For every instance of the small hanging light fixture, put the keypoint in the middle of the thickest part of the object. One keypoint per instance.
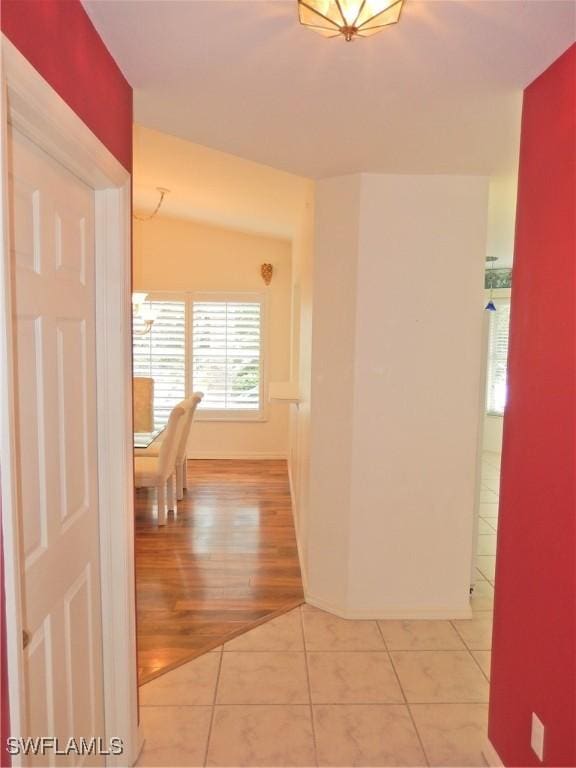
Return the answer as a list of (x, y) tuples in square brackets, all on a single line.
[(162, 191), (147, 314), (349, 18), (491, 307)]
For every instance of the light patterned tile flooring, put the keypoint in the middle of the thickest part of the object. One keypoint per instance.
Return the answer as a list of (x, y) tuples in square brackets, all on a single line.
[(311, 689)]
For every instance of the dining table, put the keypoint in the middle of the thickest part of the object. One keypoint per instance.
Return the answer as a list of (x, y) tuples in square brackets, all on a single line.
[(145, 439)]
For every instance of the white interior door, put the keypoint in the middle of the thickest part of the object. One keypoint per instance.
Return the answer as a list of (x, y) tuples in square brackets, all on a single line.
[(52, 241)]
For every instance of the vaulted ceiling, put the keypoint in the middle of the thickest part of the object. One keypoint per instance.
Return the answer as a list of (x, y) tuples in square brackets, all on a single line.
[(214, 187)]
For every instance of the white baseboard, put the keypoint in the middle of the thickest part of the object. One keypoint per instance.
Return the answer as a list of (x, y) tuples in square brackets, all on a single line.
[(391, 612), (239, 455), (492, 757), (297, 530)]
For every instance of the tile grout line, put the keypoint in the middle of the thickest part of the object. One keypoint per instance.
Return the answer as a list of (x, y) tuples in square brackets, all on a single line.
[(481, 670), (312, 723), (489, 650), (209, 736), (474, 659), (410, 715), (368, 650)]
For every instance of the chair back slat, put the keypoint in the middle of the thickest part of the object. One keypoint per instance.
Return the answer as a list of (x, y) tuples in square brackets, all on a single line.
[(167, 454)]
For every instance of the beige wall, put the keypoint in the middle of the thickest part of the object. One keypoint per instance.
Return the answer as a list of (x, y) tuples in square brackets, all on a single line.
[(502, 218), (299, 450), (177, 255), (396, 370), (332, 422)]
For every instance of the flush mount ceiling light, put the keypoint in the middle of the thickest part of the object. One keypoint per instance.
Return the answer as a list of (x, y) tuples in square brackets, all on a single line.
[(349, 18)]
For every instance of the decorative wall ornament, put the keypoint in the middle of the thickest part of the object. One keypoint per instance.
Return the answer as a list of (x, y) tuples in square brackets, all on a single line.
[(266, 271), (498, 278)]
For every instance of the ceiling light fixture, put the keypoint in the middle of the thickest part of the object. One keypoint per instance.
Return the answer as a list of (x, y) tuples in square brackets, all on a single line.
[(349, 18), (491, 307)]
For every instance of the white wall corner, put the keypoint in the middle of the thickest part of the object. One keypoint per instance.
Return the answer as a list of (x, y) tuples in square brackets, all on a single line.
[(393, 446)]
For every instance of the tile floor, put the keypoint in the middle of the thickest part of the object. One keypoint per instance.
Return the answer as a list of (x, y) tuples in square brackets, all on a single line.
[(308, 688)]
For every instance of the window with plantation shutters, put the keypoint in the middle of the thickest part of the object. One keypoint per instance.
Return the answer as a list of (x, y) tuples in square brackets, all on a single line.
[(161, 355), (498, 357), (227, 355)]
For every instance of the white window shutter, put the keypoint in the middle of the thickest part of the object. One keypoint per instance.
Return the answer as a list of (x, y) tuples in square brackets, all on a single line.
[(226, 354), (161, 355), (498, 357)]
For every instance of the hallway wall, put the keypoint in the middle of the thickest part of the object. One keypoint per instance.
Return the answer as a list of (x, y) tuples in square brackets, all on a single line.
[(301, 372), (398, 322), (83, 72), (89, 80), (533, 660)]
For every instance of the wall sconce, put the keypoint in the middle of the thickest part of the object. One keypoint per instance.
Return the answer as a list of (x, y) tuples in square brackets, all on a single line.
[(146, 314), (266, 271)]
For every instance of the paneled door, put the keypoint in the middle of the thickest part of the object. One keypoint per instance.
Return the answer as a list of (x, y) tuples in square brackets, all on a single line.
[(52, 240)]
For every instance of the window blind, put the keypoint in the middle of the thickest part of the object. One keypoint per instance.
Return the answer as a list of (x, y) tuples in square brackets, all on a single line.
[(498, 357), (226, 354), (161, 354)]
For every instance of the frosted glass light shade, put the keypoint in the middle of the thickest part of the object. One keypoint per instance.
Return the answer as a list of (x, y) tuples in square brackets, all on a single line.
[(149, 314), (350, 18)]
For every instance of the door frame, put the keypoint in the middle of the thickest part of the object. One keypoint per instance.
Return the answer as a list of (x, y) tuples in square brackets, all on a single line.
[(30, 105)]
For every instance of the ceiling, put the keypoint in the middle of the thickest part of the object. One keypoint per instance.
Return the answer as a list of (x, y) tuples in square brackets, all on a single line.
[(214, 187), (437, 93)]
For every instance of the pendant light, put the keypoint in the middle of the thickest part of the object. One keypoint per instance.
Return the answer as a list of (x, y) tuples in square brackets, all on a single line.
[(491, 307)]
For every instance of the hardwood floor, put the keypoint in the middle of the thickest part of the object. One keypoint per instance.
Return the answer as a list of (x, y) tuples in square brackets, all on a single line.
[(225, 562)]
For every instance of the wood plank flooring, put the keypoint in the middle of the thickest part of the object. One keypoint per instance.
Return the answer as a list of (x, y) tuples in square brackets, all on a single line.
[(225, 562)]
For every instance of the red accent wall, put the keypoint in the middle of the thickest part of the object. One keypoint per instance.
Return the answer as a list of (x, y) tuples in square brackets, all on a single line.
[(59, 40), (534, 644)]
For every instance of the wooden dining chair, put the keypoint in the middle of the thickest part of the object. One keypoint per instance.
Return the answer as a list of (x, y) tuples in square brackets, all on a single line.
[(190, 406), (158, 471)]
